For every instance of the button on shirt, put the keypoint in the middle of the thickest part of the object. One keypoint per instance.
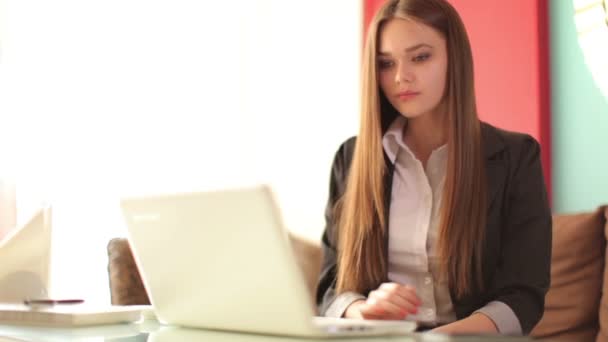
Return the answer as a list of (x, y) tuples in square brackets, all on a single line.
[(413, 234)]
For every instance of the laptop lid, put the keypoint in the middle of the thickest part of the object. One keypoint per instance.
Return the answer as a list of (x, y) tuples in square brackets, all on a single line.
[(219, 260), (26, 253)]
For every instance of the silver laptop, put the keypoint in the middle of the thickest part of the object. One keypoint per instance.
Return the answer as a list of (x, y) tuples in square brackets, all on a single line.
[(25, 254), (222, 260)]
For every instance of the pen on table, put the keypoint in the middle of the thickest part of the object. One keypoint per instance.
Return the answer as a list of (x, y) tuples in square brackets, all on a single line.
[(51, 302)]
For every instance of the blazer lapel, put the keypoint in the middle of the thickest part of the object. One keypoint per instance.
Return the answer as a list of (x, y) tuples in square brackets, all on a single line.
[(388, 188)]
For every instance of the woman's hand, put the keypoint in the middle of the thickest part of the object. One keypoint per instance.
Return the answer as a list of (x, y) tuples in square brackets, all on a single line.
[(390, 301)]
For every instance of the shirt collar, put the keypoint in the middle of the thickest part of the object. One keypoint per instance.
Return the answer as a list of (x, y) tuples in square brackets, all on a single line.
[(392, 141), (393, 138)]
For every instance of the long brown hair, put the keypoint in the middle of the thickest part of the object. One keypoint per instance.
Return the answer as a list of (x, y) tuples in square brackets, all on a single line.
[(362, 226)]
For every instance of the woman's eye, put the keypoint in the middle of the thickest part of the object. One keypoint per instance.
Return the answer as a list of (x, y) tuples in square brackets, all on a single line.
[(421, 58), (385, 64)]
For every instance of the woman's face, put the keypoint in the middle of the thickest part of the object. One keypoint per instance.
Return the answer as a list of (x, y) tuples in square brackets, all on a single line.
[(412, 66)]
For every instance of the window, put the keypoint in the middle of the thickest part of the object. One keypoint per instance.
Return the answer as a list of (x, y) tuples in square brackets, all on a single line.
[(591, 17)]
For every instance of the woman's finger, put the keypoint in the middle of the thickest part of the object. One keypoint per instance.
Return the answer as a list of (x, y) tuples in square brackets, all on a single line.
[(407, 302), (385, 308), (407, 292)]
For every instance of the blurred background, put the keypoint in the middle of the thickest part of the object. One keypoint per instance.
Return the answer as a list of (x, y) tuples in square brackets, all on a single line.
[(105, 99)]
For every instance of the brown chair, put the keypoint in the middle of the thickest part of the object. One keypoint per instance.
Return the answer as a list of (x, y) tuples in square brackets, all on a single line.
[(126, 287)]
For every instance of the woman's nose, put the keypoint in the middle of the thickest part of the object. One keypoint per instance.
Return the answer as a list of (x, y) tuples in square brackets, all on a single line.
[(404, 74)]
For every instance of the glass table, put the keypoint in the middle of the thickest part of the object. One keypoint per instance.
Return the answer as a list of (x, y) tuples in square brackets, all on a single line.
[(152, 331)]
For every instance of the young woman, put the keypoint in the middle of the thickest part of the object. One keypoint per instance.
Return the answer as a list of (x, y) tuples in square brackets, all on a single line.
[(433, 215)]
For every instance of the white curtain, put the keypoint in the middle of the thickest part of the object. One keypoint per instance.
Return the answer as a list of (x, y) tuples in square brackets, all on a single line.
[(8, 210), (102, 99)]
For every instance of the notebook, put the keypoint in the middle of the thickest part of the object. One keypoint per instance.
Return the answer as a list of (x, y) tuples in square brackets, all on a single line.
[(67, 315), (25, 254), (222, 260)]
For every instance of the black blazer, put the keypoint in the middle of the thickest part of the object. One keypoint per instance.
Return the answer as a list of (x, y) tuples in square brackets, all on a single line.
[(517, 248)]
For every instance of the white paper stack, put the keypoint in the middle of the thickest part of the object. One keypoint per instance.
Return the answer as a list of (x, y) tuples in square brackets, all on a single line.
[(68, 315)]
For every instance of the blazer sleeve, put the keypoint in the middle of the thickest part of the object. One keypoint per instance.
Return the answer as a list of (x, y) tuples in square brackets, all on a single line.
[(523, 275), (326, 286)]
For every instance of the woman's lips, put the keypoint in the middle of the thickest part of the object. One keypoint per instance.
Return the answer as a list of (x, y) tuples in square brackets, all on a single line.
[(407, 95)]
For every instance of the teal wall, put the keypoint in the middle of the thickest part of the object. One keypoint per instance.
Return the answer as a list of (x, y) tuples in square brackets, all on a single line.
[(579, 120)]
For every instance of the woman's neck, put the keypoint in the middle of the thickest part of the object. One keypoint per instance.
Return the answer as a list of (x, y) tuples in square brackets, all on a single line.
[(425, 134)]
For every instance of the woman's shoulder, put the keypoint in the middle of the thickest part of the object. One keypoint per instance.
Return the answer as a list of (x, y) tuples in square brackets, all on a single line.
[(497, 140), (348, 144), (346, 150)]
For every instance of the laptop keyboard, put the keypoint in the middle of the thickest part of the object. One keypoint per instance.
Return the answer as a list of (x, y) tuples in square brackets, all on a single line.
[(341, 325)]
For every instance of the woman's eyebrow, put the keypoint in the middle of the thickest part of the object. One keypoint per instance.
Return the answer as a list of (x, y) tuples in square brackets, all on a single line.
[(409, 49)]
